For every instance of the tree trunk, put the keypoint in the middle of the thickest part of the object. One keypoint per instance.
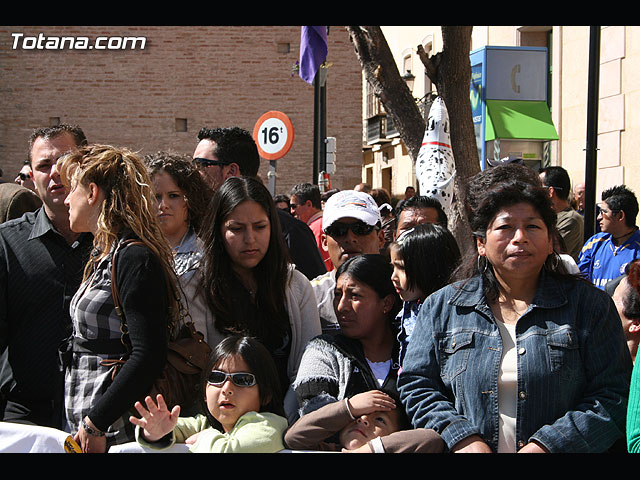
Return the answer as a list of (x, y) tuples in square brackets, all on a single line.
[(450, 71)]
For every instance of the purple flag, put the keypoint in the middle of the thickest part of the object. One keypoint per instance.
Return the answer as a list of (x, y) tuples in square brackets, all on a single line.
[(313, 51)]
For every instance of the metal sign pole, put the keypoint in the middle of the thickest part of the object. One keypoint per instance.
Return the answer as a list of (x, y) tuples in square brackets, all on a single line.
[(592, 133)]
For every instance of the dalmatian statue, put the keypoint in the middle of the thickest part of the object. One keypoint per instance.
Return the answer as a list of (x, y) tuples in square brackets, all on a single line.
[(435, 168)]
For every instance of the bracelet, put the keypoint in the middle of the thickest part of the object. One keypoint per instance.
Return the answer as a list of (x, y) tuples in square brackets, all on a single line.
[(376, 445), (91, 431), (346, 402)]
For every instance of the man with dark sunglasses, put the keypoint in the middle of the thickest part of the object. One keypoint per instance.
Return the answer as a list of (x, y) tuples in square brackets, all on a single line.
[(227, 152), (351, 225)]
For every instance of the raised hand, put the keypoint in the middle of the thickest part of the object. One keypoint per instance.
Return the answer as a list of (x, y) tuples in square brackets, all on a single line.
[(369, 402), (156, 420)]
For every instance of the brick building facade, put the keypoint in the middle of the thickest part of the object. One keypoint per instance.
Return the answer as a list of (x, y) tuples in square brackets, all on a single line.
[(185, 77)]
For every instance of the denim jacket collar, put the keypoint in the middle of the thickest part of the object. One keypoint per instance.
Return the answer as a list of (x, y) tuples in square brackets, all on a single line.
[(550, 293)]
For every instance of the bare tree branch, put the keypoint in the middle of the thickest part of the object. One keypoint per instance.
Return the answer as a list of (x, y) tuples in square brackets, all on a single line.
[(382, 73), (430, 63)]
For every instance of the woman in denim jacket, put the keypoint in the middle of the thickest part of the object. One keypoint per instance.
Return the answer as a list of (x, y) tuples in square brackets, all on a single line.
[(519, 356)]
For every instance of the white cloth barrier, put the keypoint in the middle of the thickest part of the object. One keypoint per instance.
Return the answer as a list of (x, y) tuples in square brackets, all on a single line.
[(18, 438), (134, 447)]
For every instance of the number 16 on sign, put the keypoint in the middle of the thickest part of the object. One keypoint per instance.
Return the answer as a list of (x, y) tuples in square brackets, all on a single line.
[(273, 134)]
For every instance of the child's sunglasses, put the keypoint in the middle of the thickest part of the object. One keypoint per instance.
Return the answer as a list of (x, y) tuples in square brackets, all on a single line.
[(240, 379)]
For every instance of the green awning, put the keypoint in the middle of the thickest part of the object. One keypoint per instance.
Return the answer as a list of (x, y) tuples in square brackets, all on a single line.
[(518, 119)]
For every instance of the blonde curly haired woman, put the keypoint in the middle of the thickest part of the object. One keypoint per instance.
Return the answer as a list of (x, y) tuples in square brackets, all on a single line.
[(112, 197)]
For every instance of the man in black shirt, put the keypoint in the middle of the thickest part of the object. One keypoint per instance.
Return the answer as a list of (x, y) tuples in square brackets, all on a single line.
[(41, 265)]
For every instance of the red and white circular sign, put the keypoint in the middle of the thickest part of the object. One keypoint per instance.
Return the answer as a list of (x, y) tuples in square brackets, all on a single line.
[(273, 134)]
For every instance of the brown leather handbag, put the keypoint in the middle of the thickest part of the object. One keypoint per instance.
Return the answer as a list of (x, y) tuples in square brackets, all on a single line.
[(188, 353)]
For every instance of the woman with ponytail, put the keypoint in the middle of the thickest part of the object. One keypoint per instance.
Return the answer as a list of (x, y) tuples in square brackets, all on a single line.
[(111, 196)]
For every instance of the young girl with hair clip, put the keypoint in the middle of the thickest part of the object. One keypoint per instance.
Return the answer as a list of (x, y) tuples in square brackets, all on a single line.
[(423, 259), (248, 281), (242, 400), (110, 195)]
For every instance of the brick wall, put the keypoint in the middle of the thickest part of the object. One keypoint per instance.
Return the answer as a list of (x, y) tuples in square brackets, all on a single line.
[(209, 75)]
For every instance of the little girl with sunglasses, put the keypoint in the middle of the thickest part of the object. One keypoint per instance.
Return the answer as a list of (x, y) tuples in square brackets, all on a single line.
[(242, 400)]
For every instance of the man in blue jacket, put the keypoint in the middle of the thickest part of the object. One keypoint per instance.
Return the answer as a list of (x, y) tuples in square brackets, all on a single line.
[(606, 254)]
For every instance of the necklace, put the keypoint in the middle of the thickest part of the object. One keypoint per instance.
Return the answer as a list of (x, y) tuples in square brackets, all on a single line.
[(251, 291), (507, 312), (252, 294), (625, 235)]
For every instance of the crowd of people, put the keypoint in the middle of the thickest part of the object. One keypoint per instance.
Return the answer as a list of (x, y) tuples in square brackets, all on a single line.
[(336, 320)]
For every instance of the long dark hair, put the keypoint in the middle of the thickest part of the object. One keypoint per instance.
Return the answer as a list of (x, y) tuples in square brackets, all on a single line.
[(486, 205), (430, 254), (374, 270), (260, 363), (271, 274)]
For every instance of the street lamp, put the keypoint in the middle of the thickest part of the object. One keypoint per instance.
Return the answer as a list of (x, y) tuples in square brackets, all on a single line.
[(409, 78)]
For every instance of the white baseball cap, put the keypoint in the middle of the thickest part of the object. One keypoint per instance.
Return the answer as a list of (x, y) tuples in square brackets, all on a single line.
[(350, 203)]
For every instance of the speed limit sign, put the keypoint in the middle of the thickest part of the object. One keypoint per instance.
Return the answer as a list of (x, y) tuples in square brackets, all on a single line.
[(273, 134)]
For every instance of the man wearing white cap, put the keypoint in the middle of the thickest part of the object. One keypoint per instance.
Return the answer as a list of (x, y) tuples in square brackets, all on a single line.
[(351, 226)]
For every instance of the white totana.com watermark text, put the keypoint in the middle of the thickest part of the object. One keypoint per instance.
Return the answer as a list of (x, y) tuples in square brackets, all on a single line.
[(48, 42)]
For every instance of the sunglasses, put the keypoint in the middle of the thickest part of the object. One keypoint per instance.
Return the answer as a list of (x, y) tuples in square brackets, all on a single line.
[(240, 379), (339, 229), (205, 162), (608, 212)]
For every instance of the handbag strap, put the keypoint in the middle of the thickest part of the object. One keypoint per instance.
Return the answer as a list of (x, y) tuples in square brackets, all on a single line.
[(114, 288)]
